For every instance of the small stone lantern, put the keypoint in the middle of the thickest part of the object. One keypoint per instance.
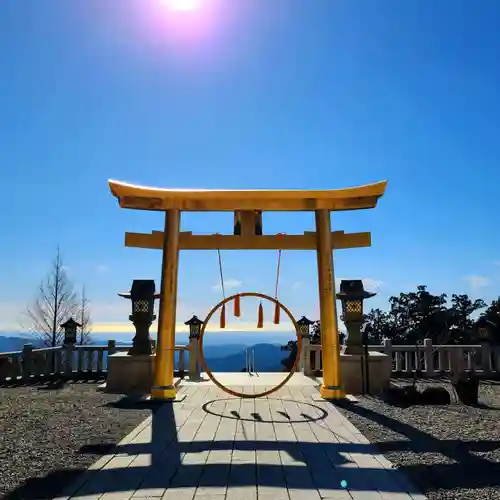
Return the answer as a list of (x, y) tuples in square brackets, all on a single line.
[(142, 295), (70, 327), (304, 331), (483, 328), (352, 294), (195, 325), (304, 326)]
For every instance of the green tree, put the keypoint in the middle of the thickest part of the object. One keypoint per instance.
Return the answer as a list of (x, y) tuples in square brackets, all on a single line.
[(378, 326), (462, 307), (492, 314), (416, 315), (399, 316), (427, 314)]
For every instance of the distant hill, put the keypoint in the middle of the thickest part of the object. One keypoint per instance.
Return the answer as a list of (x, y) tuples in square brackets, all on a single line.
[(222, 351), (220, 358), (267, 359), (9, 344)]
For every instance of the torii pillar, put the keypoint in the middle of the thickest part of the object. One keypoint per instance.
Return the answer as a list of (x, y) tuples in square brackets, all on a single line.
[(163, 384), (330, 348)]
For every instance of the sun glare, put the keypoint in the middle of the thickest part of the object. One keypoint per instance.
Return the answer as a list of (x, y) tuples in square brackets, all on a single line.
[(183, 5)]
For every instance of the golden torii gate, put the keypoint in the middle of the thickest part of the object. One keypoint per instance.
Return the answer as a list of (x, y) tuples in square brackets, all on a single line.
[(248, 206)]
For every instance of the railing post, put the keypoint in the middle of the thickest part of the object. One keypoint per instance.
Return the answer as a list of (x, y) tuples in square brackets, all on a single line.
[(305, 356), (428, 358), (194, 360), (457, 362), (111, 347), (68, 359), (318, 361), (496, 358), (387, 349), (181, 362), (387, 343), (486, 358), (111, 350), (58, 351), (27, 361), (444, 357), (307, 363)]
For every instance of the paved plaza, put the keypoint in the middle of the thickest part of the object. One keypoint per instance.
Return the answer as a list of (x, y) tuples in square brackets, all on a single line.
[(210, 446)]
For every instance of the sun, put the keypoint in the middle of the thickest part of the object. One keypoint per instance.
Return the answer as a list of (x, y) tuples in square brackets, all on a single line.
[(185, 5)]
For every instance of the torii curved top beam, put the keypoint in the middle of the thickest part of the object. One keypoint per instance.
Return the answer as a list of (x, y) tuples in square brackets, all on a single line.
[(152, 198)]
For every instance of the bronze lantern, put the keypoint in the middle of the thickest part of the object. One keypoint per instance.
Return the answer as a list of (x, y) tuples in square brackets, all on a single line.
[(70, 328), (195, 325)]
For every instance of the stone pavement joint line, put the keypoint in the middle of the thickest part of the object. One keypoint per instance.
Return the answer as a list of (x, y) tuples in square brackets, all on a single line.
[(212, 446)]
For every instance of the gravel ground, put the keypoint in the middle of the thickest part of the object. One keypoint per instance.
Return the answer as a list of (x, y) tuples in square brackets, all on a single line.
[(449, 452), (48, 435)]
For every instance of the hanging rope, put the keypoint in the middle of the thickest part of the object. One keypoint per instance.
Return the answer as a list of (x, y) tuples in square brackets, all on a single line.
[(237, 307), (221, 275), (277, 308), (222, 323)]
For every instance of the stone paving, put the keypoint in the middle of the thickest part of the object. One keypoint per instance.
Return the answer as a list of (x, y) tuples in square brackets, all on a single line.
[(210, 446)]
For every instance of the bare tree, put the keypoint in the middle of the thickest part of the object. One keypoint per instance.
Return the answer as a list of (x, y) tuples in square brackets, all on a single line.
[(84, 319), (55, 303)]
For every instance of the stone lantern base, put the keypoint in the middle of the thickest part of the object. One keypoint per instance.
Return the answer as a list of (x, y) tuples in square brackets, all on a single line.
[(131, 375), (351, 369)]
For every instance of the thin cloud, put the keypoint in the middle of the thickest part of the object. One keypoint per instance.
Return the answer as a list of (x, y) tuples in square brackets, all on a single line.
[(229, 284), (102, 269), (297, 286), (372, 284), (476, 282)]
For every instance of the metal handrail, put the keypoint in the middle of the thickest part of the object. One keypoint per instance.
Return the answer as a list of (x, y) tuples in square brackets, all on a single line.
[(250, 361)]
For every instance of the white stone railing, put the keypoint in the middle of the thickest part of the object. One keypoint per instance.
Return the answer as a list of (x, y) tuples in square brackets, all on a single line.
[(427, 359), (70, 362)]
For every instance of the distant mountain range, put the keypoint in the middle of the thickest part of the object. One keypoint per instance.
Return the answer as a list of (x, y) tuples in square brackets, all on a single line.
[(219, 357), (11, 344), (267, 358)]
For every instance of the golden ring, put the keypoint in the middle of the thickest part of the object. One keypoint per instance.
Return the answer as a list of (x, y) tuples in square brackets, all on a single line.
[(207, 370)]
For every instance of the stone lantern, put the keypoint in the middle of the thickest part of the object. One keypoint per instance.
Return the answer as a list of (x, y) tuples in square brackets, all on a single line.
[(70, 327), (304, 331), (195, 324), (483, 328), (304, 326), (142, 296), (352, 294)]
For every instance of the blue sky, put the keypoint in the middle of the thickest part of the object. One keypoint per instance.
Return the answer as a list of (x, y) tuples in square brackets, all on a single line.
[(249, 94)]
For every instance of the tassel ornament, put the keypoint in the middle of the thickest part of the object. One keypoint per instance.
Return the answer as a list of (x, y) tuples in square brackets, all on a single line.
[(260, 320), (223, 316), (277, 309), (237, 310)]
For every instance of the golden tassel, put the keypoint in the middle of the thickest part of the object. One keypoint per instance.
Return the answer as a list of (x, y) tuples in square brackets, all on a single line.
[(237, 310), (223, 316), (260, 321), (277, 309)]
